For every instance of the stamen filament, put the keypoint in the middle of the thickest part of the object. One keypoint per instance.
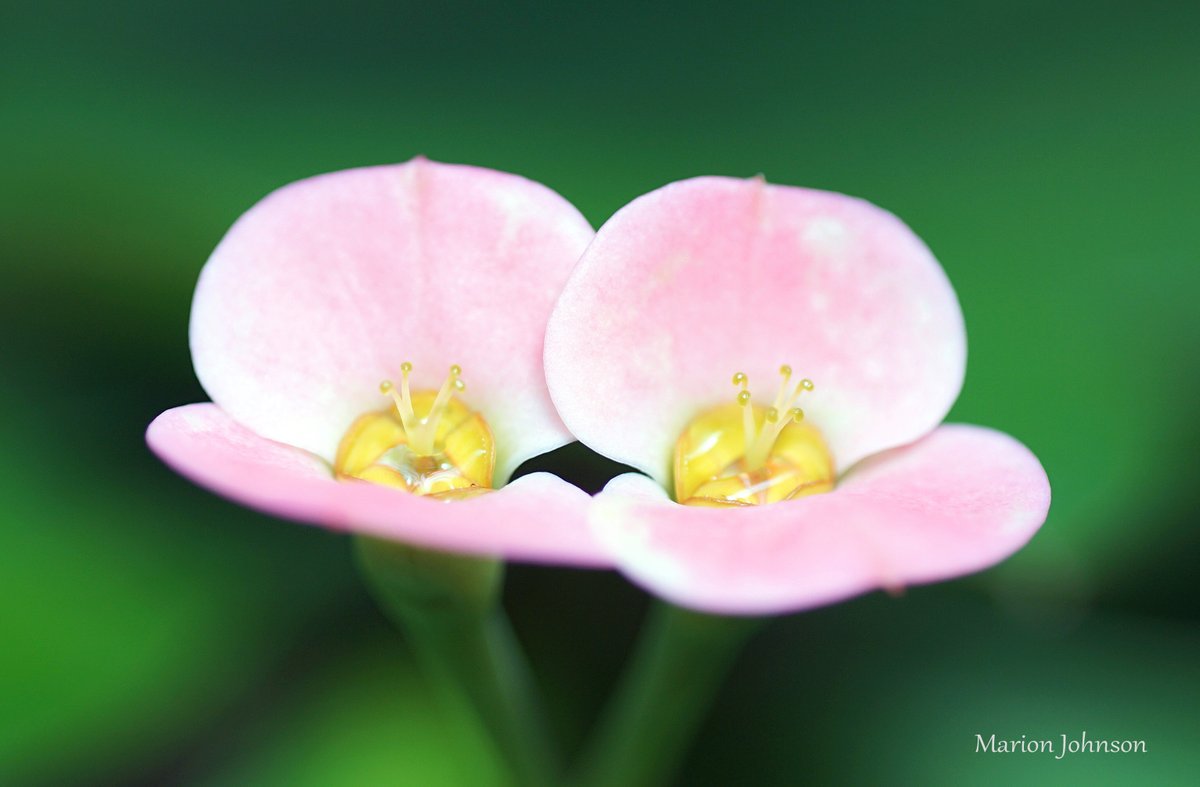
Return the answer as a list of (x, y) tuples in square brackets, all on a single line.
[(743, 398), (786, 372), (405, 368), (443, 396), (389, 389)]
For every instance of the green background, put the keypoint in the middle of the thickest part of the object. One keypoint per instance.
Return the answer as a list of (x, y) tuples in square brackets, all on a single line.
[(151, 633)]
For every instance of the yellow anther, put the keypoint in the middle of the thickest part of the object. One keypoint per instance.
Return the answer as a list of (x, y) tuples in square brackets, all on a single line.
[(772, 415), (740, 379), (806, 384), (785, 370), (385, 387), (743, 398), (406, 367), (455, 370), (459, 385), (797, 414)]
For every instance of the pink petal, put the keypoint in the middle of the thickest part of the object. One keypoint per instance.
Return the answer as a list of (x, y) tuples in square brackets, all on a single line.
[(705, 277), (957, 501), (323, 288), (537, 518)]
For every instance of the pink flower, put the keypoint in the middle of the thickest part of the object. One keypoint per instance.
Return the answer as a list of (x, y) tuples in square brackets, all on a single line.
[(787, 510), (329, 286)]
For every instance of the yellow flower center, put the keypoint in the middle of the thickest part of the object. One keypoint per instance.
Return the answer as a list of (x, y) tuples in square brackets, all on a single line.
[(743, 454), (429, 443)]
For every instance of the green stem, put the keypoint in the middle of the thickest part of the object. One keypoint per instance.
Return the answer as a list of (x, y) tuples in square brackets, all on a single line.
[(447, 606), (681, 659)]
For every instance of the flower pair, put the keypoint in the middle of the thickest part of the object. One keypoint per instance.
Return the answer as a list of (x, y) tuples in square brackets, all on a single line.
[(502, 326)]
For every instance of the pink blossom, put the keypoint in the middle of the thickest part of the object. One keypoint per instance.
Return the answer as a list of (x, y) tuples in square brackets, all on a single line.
[(709, 276), (329, 285)]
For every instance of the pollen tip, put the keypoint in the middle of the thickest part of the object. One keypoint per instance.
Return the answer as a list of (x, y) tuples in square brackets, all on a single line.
[(797, 414), (739, 378), (772, 415), (806, 384), (743, 398), (406, 367), (455, 370), (385, 387), (459, 385), (785, 370)]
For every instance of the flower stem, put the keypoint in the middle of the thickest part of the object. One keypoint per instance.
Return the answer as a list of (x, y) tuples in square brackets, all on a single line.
[(447, 606), (680, 661)]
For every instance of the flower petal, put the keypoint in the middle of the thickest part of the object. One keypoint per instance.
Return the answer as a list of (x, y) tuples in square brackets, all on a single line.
[(323, 288), (957, 501), (537, 518), (705, 277)]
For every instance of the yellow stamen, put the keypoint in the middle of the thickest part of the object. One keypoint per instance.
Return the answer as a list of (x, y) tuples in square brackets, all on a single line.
[(777, 457), (406, 414), (785, 372), (428, 444), (743, 399), (422, 431)]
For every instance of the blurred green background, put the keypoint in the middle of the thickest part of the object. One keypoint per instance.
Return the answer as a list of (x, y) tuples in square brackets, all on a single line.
[(153, 634)]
